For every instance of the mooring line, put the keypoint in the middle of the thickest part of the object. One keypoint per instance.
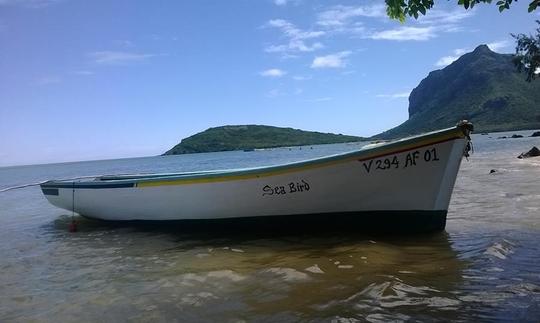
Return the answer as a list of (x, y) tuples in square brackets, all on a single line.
[(42, 182), (20, 186)]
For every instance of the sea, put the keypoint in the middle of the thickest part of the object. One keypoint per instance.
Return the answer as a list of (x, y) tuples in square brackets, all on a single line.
[(485, 267)]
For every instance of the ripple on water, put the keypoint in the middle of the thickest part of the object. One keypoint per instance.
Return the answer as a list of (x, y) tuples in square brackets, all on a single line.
[(287, 274), (501, 249), (315, 269)]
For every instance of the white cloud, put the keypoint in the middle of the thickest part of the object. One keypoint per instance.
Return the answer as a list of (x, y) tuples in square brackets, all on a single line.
[(499, 46), (297, 38), (292, 31), (447, 60), (405, 33), (342, 15), (323, 99), (83, 72), (273, 72), (331, 61), (345, 19), (439, 17), (301, 78), (427, 27), (399, 95), (284, 2), (349, 73), (294, 45), (118, 58)]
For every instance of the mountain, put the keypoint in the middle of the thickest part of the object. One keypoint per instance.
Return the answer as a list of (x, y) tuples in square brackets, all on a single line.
[(481, 86), (247, 137)]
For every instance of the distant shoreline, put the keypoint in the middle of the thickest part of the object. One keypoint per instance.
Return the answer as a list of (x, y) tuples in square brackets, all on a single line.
[(151, 156)]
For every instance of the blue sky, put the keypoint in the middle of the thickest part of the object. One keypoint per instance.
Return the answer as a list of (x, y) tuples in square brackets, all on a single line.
[(84, 80)]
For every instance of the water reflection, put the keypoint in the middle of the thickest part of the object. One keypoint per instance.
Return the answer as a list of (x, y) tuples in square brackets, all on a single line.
[(158, 273)]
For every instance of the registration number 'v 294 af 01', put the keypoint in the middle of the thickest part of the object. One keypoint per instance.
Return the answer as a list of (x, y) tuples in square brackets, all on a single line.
[(411, 159)]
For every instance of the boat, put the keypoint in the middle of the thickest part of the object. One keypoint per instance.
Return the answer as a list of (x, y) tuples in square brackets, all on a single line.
[(400, 184)]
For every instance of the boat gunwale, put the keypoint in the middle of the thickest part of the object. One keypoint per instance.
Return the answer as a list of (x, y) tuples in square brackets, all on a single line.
[(392, 147)]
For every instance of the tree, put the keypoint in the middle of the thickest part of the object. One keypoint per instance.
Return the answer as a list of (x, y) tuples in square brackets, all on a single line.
[(400, 9), (527, 56)]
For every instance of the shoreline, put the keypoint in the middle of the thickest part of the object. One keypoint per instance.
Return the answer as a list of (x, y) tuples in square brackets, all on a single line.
[(225, 151)]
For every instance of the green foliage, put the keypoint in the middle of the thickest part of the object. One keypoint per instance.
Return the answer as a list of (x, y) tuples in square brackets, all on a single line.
[(533, 5), (527, 56), (483, 87), (249, 137), (400, 9)]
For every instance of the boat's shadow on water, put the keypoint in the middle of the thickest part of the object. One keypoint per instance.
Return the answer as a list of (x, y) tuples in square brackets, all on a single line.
[(250, 230)]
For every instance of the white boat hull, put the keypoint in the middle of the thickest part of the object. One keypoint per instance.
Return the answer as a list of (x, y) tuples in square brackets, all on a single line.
[(413, 175)]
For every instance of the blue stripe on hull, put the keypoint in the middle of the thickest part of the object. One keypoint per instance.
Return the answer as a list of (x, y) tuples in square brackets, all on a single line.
[(89, 185)]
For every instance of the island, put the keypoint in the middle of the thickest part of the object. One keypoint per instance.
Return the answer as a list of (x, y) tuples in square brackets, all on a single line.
[(250, 137)]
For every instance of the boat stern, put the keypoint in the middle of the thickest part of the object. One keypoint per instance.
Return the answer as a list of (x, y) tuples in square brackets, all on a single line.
[(58, 196)]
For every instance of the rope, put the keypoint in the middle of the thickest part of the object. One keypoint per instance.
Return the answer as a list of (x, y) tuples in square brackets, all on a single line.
[(73, 202), (73, 224), (468, 148), (42, 182), (467, 128), (20, 186)]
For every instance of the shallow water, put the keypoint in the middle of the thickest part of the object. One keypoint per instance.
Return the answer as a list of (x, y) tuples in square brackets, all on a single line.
[(484, 267)]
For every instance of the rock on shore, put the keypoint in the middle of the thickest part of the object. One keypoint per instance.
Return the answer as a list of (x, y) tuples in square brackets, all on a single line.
[(534, 152)]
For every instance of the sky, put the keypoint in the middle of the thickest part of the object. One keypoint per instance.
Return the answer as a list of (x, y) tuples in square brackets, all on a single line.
[(88, 80)]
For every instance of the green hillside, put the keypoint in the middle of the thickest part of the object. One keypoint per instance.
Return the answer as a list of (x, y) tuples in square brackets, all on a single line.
[(247, 137), (481, 86)]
